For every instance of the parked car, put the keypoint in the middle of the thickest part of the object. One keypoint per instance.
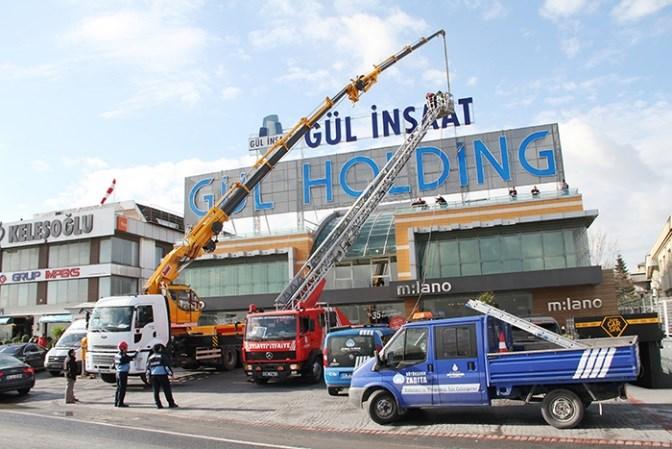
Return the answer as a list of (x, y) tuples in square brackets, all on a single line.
[(71, 339), (15, 375), (347, 349), (29, 353)]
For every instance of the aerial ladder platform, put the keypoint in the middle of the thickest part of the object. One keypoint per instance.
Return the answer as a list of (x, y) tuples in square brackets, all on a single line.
[(525, 325), (304, 288)]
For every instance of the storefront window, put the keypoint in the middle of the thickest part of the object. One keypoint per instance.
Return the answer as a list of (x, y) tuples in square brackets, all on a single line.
[(502, 253), (117, 286), (70, 254), (70, 291), (121, 251), (20, 259), (373, 313), (257, 275), (18, 295)]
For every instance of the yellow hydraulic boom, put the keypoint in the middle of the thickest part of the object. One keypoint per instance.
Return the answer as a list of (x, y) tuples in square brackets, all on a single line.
[(184, 304)]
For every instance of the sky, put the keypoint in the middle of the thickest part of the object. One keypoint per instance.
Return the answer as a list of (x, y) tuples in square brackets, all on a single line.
[(149, 92)]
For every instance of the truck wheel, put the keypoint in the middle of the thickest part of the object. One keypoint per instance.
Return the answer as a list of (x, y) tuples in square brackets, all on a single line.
[(229, 359), (562, 409), (109, 378), (54, 373), (314, 370), (333, 391), (383, 408)]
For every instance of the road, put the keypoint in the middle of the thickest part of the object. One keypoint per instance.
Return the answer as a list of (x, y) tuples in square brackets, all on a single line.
[(223, 410)]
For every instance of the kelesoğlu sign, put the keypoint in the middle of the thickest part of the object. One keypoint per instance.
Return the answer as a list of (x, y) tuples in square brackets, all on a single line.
[(479, 162), (57, 227)]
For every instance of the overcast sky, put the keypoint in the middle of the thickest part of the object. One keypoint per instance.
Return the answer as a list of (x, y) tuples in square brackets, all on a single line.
[(149, 92)]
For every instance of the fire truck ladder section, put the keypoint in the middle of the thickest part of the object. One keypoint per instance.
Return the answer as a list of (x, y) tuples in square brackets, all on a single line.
[(525, 325), (339, 240)]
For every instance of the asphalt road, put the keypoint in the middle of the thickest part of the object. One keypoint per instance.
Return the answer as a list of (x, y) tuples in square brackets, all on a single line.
[(76, 430), (223, 410)]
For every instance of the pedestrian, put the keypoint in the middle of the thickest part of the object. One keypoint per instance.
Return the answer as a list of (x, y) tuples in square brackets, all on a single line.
[(122, 363), (71, 370), (42, 341), (158, 367), (513, 193), (535, 191)]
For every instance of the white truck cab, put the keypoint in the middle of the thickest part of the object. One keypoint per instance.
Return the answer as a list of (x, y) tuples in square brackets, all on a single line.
[(141, 321)]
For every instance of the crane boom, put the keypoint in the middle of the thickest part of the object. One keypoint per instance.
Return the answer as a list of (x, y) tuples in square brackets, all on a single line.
[(300, 291), (202, 236)]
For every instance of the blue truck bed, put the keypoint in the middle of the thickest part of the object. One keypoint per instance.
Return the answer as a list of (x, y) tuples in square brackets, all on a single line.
[(605, 360)]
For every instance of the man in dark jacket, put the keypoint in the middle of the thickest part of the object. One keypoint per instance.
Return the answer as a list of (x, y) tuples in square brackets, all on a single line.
[(158, 367), (71, 370), (122, 363)]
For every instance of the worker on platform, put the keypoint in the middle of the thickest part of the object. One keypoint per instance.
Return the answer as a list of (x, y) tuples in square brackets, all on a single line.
[(158, 367), (122, 363)]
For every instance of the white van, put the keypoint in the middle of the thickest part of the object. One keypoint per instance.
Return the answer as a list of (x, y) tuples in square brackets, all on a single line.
[(71, 339)]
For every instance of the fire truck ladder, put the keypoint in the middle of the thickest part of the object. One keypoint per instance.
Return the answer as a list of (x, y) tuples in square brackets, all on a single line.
[(525, 325), (339, 240)]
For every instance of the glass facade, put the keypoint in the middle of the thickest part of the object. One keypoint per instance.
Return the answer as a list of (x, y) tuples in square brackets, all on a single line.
[(247, 276), (70, 291), (117, 286), (375, 239), (518, 303), (374, 313), (467, 254), (121, 251), (18, 295), (20, 259), (375, 273), (70, 254)]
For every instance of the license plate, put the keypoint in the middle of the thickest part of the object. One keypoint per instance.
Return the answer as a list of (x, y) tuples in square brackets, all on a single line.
[(14, 376), (269, 374), (346, 375)]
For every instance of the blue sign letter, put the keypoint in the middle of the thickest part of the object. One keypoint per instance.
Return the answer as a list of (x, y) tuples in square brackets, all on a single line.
[(422, 184), (544, 154), (209, 199), (258, 202), (308, 183), (346, 168), (481, 150)]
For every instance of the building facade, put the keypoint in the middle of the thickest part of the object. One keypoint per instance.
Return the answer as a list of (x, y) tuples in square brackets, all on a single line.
[(530, 250), (659, 263), (58, 260)]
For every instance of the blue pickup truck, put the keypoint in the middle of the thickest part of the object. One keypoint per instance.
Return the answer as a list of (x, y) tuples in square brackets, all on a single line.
[(459, 361)]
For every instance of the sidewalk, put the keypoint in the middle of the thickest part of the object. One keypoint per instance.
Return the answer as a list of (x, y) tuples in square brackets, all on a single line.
[(639, 395)]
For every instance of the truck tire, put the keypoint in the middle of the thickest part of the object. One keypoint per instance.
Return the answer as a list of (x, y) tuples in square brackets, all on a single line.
[(54, 373), (562, 409), (314, 370), (109, 378), (229, 359), (383, 408)]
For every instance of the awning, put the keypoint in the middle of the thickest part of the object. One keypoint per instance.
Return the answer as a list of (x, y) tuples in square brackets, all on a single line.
[(62, 318), (6, 320)]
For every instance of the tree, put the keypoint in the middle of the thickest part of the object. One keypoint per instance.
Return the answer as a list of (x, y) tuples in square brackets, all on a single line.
[(602, 248), (487, 298), (627, 297)]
